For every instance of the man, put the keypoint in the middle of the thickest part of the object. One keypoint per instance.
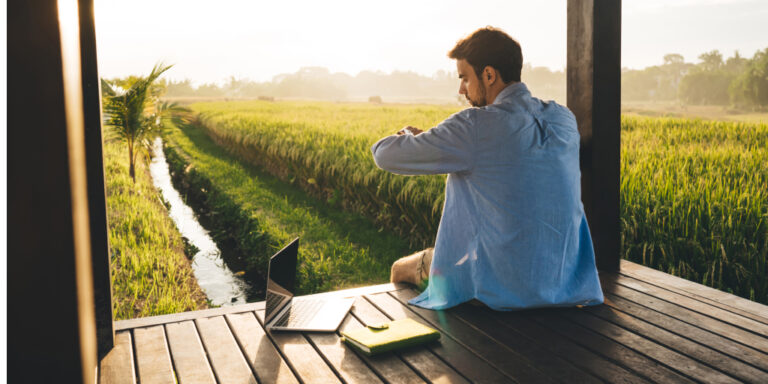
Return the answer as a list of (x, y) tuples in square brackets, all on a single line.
[(513, 233)]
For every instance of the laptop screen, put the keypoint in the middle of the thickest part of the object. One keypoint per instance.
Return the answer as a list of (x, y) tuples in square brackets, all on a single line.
[(281, 279)]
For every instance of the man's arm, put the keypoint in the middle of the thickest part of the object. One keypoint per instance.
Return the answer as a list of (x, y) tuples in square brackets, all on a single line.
[(446, 148)]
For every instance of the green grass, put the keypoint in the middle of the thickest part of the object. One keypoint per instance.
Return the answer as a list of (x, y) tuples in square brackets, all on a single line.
[(150, 273), (694, 201), (260, 214)]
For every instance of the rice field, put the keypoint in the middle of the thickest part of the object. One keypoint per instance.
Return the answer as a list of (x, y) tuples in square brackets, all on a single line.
[(694, 194), (255, 214)]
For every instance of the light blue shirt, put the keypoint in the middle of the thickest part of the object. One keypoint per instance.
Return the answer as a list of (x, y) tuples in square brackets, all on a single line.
[(513, 233)]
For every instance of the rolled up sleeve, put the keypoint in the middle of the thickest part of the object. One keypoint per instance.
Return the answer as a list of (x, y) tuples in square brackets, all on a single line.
[(446, 148)]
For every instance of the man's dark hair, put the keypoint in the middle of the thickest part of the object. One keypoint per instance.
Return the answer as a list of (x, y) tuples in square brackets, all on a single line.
[(491, 46)]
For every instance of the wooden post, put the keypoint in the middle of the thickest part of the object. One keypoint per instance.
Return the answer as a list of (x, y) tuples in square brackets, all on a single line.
[(102, 277), (51, 323), (594, 96)]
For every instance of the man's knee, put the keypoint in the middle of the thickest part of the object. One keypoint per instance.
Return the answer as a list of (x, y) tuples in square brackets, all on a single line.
[(413, 268)]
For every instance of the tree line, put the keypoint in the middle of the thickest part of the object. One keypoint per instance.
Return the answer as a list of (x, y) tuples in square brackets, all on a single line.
[(320, 83), (736, 81)]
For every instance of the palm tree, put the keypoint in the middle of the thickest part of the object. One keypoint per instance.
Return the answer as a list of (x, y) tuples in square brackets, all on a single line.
[(126, 112)]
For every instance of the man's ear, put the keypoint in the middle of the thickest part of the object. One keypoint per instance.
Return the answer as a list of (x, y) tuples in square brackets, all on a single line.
[(489, 75)]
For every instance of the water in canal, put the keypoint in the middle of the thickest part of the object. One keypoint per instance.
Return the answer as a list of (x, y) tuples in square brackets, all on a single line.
[(220, 284)]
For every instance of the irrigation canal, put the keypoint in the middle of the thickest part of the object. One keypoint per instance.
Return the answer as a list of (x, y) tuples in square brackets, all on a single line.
[(220, 284)]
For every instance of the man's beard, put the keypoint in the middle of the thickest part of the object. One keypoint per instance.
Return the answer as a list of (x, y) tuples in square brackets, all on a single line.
[(478, 103)]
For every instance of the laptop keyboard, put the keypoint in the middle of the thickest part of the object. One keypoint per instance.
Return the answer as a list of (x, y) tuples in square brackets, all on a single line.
[(273, 300), (300, 313)]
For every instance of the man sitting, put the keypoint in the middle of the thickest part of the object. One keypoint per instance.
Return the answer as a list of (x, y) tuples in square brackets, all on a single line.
[(513, 233)]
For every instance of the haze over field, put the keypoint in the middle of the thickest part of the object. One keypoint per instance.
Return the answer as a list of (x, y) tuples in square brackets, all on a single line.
[(211, 41)]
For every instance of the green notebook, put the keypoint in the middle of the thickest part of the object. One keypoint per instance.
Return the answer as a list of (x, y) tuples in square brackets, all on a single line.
[(386, 337)]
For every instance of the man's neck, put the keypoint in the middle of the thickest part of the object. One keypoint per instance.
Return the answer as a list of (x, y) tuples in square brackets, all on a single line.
[(495, 90)]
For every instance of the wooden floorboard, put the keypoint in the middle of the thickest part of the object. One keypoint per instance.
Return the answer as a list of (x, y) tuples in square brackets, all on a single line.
[(187, 354), (152, 357), (228, 363), (447, 348), (117, 366), (701, 291), (347, 364), (535, 346), (261, 353), (700, 351), (702, 336), (608, 349), (652, 328), (517, 363), (672, 359), (301, 355), (576, 354), (454, 347), (692, 304), (714, 325)]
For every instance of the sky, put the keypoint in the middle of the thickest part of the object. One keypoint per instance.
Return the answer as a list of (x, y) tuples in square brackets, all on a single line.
[(209, 41)]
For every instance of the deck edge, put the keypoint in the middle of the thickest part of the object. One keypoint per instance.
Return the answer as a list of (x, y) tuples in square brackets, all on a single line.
[(191, 315)]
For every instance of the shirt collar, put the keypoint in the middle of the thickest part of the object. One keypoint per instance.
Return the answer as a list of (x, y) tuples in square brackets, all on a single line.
[(511, 91)]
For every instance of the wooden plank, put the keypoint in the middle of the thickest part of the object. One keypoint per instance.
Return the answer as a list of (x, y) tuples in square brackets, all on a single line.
[(343, 359), (567, 349), (699, 291), (187, 354), (448, 348), (513, 363), (692, 304), (117, 366), (226, 358), (669, 357), (303, 358), (421, 360), (703, 352), (699, 335), (259, 350), (611, 350), (184, 316), (152, 357), (534, 349), (191, 315), (521, 350), (742, 336)]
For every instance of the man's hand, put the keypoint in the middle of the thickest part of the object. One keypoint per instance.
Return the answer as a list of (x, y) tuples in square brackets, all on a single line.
[(409, 131)]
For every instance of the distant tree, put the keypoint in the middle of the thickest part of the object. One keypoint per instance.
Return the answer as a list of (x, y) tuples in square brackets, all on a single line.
[(130, 112), (209, 90), (673, 58), (179, 88), (656, 83), (711, 61), (736, 64), (705, 87), (750, 88), (712, 80)]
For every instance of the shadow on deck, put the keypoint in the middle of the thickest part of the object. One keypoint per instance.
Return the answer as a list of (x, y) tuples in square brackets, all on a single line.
[(653, 327)]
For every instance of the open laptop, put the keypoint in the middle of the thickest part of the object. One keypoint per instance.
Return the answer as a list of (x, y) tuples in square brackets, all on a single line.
[(286, 313)]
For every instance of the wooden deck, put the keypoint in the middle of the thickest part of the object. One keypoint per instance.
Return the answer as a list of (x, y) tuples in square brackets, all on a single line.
[(653, 327)]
